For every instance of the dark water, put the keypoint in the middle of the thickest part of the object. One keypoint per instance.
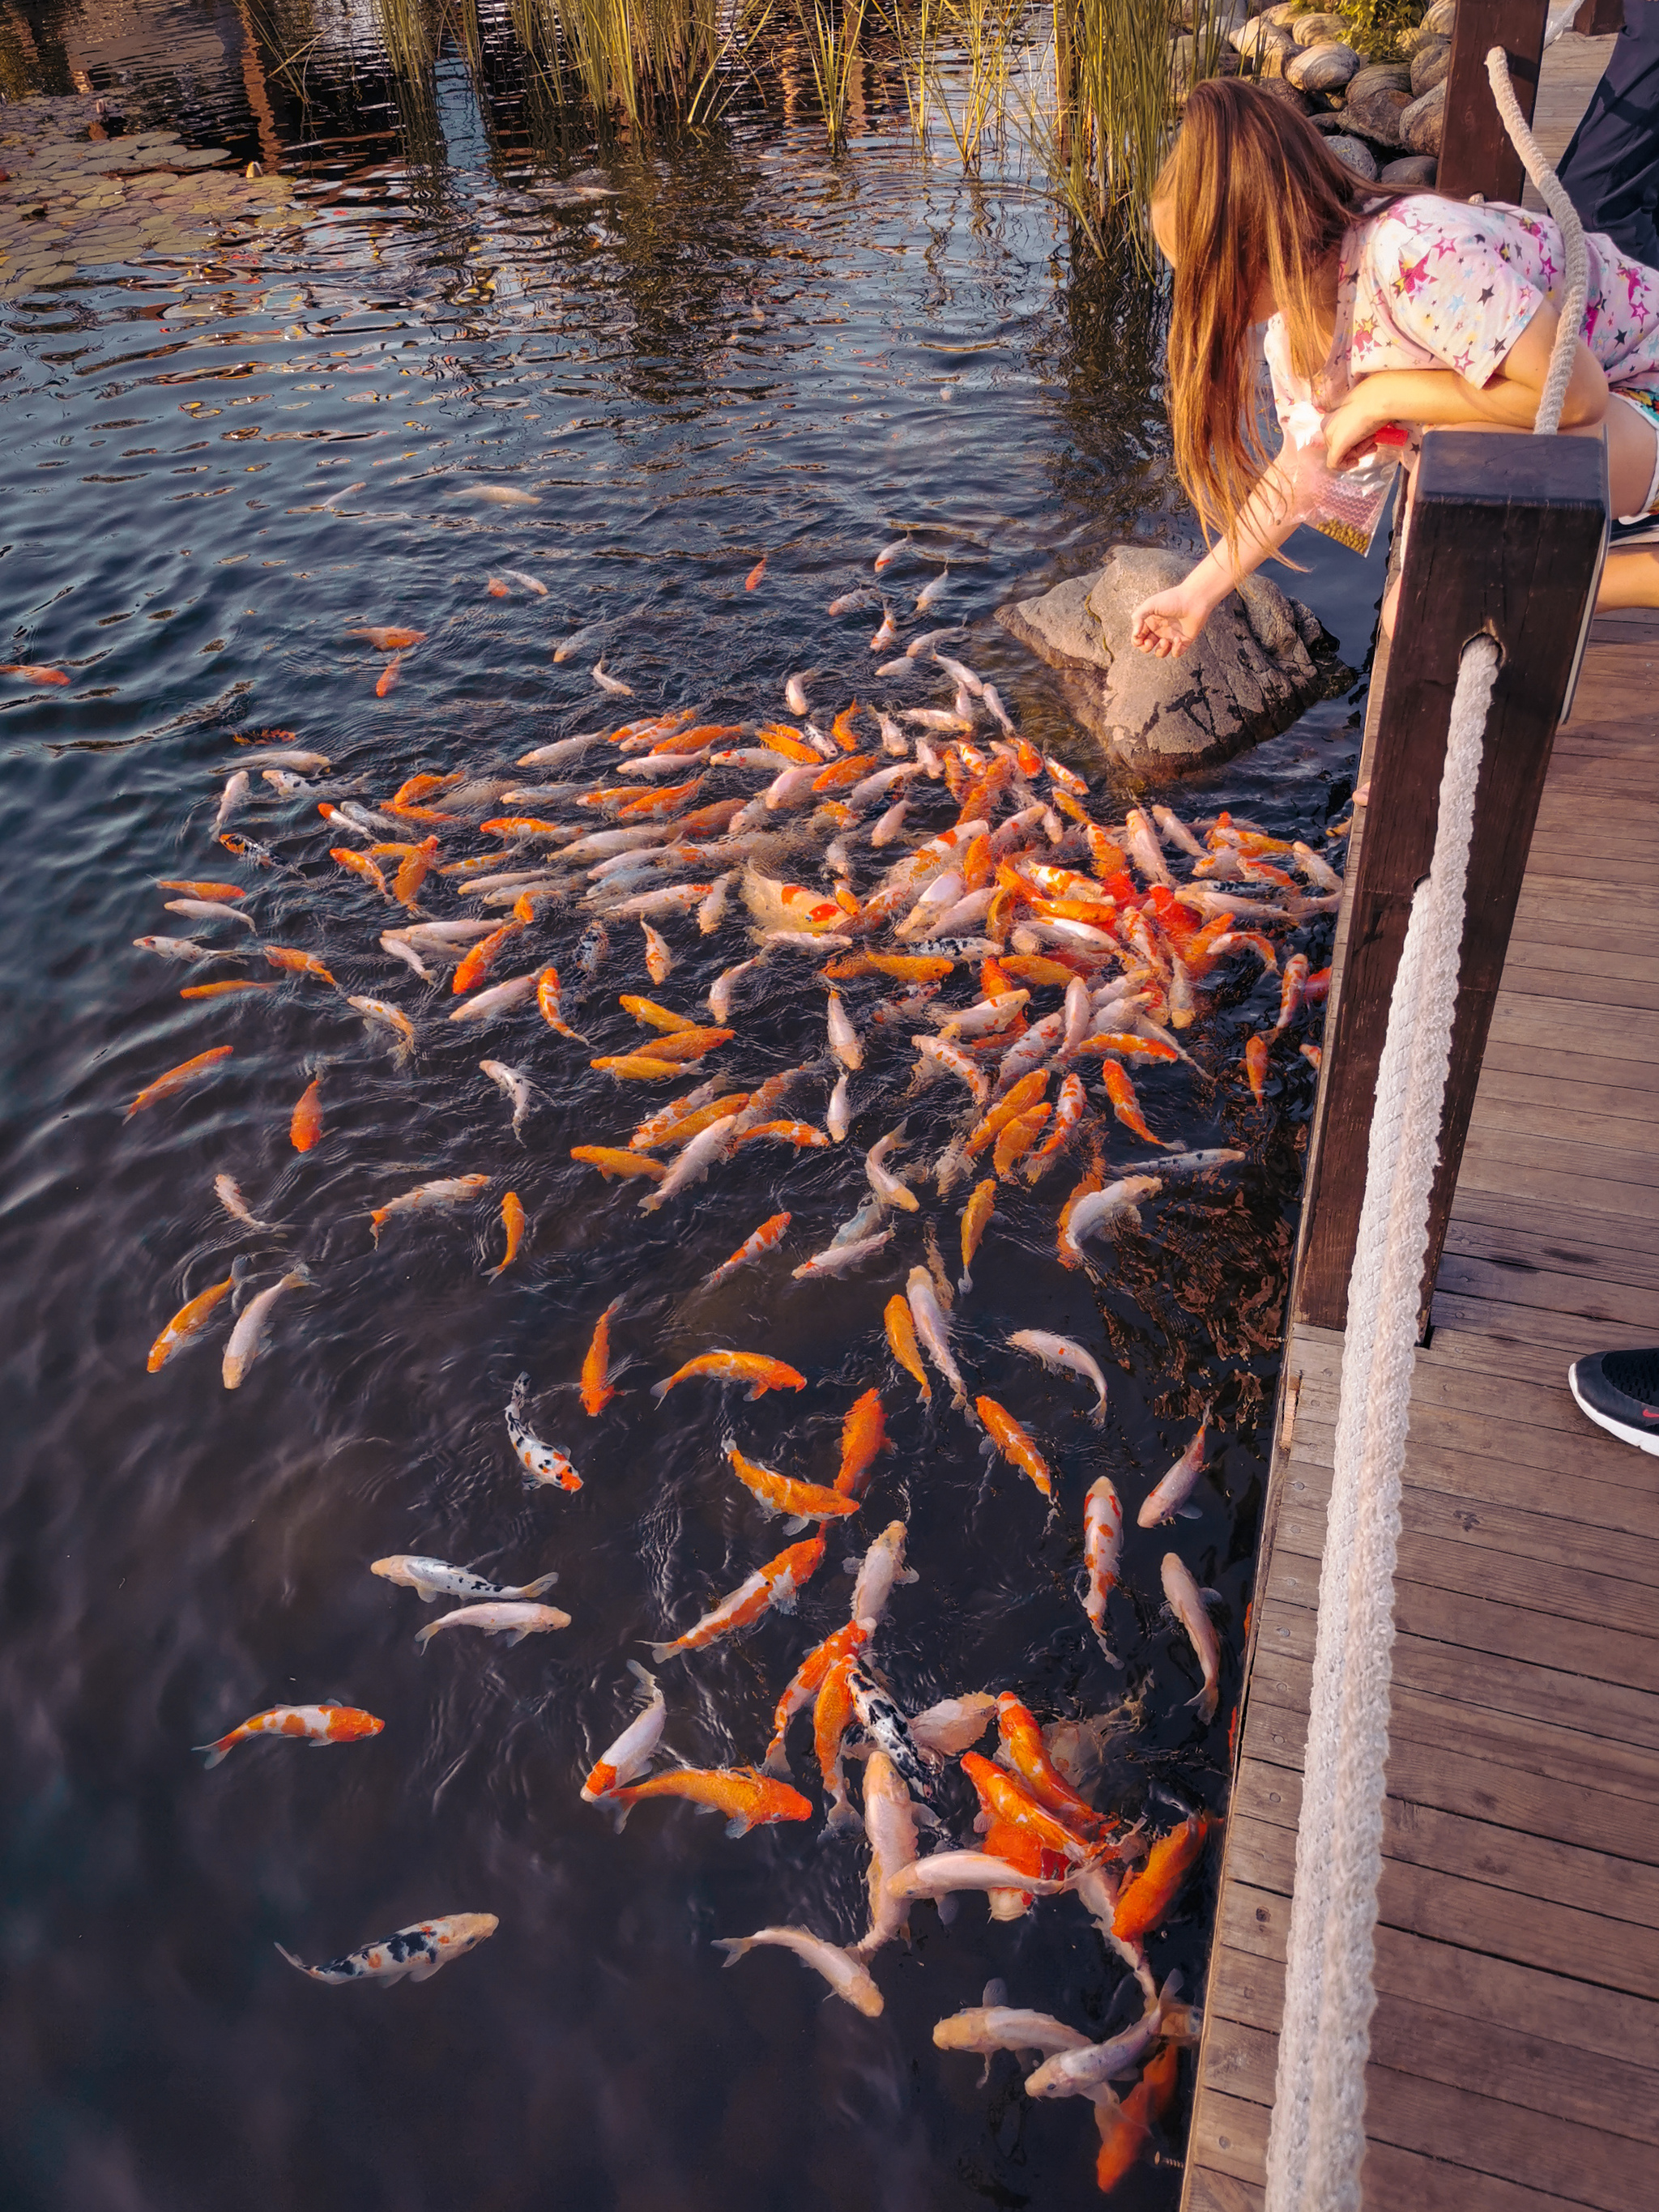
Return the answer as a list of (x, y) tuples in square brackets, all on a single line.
[(210, 472)]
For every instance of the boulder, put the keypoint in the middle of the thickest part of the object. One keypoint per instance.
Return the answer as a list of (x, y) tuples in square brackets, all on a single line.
[(1411, 169), (1421, 123), (1317, 30), (1375, 97), (1354, 153), (1429, 64), (1408, 41), (1279, 90), (1248, 677), (1287, 12), (1325, 67), (1441, 18), (1263, 42), (1379, 77)]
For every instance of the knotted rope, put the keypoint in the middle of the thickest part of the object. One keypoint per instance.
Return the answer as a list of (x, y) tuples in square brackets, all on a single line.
[(1317, 2143)]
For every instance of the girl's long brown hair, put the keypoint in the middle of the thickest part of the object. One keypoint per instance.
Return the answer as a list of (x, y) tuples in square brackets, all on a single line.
[(1249, 193)]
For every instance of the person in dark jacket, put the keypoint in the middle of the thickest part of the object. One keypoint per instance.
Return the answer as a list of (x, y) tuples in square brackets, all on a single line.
[(1611, 169)]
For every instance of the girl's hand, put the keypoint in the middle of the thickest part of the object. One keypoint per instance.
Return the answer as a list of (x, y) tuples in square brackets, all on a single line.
[(1167, 624), (1351, 427)]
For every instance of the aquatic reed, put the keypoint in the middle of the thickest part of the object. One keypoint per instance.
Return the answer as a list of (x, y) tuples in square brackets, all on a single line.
[(831, 29), (626, 59)]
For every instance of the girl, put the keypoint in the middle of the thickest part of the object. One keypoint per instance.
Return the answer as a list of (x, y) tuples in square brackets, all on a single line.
[(1381, 309)]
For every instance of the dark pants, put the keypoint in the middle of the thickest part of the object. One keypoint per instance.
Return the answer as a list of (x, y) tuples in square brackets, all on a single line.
[(1611, 170)]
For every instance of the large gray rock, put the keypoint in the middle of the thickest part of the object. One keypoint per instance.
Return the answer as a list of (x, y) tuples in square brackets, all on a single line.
[(1410, 169), (1422, 123), (1316, 30), (1376, 99), (1322, 69), (1429, 64), (1248, 677), (1354, 154)]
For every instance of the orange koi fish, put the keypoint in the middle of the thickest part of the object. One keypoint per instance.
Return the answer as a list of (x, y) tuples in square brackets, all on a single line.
[(808, 1679), (637, 1067), (521, 825), (610, 1161), (1310, 1053), (1017, 1848), (1003, 1434), (513, 1222), (307, 1123), (1144, 1901), (1022, 1098), (638, 803), (1022, 1750), (901, 1342), (1126, 2130), (749, 1798), (1004, 1798), (391, 640), (752, 1367), (214, 891), (359, 863), (1125, 1105), (789, 744), (771, 1587), (388, 676), (975, 1219), (687, 1042), (186, 1072), (547, 998), (1069, 1110), (298, 964), (1018, 1138), (655, 1017), (863, 1436), (1085, 1187), (1255, 1066), (761, 1241), (693, 740), (753, 578), (783, 1493), (474, 965), (842, 772), (316, 1725), (678, 1124), (1041, 971), (801, 1134), (1292, 990), (1317, 989), (412, 873), (596, 1391), (833, 1714), (33, 673), (192, 1319), (218, 990)]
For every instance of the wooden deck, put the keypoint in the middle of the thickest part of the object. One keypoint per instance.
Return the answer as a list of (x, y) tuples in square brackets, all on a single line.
[(1514, 2048)]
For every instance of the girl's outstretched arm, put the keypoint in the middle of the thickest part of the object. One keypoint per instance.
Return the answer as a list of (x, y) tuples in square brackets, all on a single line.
[(1167, 624)]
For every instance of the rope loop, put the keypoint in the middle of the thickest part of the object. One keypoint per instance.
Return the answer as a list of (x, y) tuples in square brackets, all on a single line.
[(1554, 196)]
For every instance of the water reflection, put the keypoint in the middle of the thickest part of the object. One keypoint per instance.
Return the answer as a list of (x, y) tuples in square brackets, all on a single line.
[(214, 466)]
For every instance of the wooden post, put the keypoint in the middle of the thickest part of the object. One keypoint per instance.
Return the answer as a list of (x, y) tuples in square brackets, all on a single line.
[(1475, 153), (1506, 536), (1597, 17)]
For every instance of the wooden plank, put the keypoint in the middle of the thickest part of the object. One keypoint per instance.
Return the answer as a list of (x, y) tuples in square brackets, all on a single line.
[(1608, 1156), (1537, 519), (1585, 1296), (1528, 1476), (1508, 2062), (1587, 1067), (1229, 2136), (1564, 1337), (1476, 155), (1538, 1245), (1209, 2191)]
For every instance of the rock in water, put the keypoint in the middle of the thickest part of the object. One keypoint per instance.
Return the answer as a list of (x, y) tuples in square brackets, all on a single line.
[(1248, 678), (1421, 123)]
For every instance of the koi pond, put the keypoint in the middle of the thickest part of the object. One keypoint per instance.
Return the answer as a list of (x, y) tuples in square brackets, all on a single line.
[(456, 365)]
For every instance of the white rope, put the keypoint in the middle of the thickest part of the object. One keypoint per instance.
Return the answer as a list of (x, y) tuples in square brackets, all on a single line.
[(1316, 2145)]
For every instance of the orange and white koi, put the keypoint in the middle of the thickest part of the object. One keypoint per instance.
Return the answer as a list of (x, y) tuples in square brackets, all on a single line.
[(1291, 990), (317, 1725), (1088, 2072), (297, 964), (753, 1247), (773, 1588), (749, 1798), (1187, 1602), (547, 1000), (412, 872), (784, 1494), (863, 1438), (229, 1193), (416, 1952), (448, 1190), (381, 1013), (1021, 1749), (1069, 1110), (514, 1620), (1095, 1211), (596, 1388), (484, 1003), (1125, 1105), (889, 1823), (191, 1318), (1061, 1355), (1103, 1543), (1006, 1798), (246, 1339), (801, 1134), (933, 1330), (1170, 1498), (755, 1368), (541, 1463), (636, 1747), (1003, 1433), (513, 1225), (1144, 1902), (936, 1055), (177, 1078), (33, 671), (901, 1342)]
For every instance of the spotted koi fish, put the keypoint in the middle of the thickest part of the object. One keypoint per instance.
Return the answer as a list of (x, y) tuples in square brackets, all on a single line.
[(414, 1953), (541, 1463), (317, 1725)]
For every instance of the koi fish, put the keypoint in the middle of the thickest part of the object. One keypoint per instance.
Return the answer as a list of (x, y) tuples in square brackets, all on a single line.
[(597, 1391), (696, 1160), (1126, 1106), (879, 1570), (887, 1186), (832, 1716), (954, 1724), (901, 1342), (764, 1373), (435, 1578), (517, 1086), (774, 1587), (391, 640), (783, 1493), (759, 1242), (306, 1123), (1291, 990), (1016, 1139), (496, 1000), (890, 1821), (946, 1872), (611, 685), (801, 1134), (1102, 1542), (33, 672), (416, 1952), (246, 1339), (1084, 2072), (514, 1620), (1187, 1603), (177, 1078), (182, 948), (388, 678), (610, 1161), (191, 1318), (996, 2026), (804, 1687), (317, 1725), (748, 1797), (1097, 1210), (1126, 2132), (932, 1329), (753, 579), (863, 1438), (1255, 1066), (1003, 1433), (880, 1716), (839, 1259), (393, 942), (1170, 1498), (1145, 1899), (448, 1190), (846, 1974), (208, 910), (541, 1463), (1021, 1748), (230, 1197), (513, 1225), (547, 1000), (636, 1747), (885, 633), (1004, 1798), (297, 964)]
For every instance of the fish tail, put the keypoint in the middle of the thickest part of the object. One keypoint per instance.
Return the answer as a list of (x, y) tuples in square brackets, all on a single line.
[(541, 1582), (964, 1281), (421, 1640), (291, 1961), (376, 1219), (659, 1391), (776, 1761), (1206, 1701), (214, 1754), (1097, 1418), (659, 1653), (733, 1946)]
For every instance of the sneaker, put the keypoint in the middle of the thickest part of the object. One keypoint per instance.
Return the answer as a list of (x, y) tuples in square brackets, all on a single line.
[(1620, 1392)]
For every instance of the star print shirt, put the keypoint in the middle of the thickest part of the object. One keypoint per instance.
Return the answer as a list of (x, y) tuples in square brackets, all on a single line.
[(1431, 283)]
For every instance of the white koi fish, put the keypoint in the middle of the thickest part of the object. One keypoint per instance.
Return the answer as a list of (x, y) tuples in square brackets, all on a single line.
[(483, 1004), (1082, 2071), (182, 948), (889, 825), (232, 800), (541, 1463), (448, 1190), (1187, 1602), (230, 1197), (954, 1725), (838, 1118), (530, 583), (838, 1258), (996, 2026), (999, 712), (1175, 832), (1102, 1209), (496, 494), (881, 1568), (1170, 1500), (416, 1951), (947, 1872), (890, 1823), (960, 673), (399, 946), (611, 685), (247, 1341), (794, 695), (518, 1087), (694, 1163), (435, 1578), (636, 1747), (514, 1622), (725, 984), (566, 749), (209, 910), (1103, 1543), (931, 594), (711, 911), (847, 1975), (934, 1331), (1063, 1355)]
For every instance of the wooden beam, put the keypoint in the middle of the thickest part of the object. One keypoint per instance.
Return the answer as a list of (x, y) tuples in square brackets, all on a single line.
[(1505, 534), (1475, 153)]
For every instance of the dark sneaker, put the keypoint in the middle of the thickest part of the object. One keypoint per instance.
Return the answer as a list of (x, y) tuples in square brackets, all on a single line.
[(1620, 1391)]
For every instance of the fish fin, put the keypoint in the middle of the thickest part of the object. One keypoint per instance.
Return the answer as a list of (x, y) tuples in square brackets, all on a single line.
[(733, 1946), (516, 1635), (947, 1911), (215, 1755), (541, 1582), (421, 1640), (851, 1566), (646, 1681), (785, 1602), (659, 1653), (737, 1826), (1190, 1513), (792, 1526), (985, 2072), (1097, 1418), (994, 1993), (776, 1762), (964, 1282), (291, 1961), (659, 1391), (1213, 1597), (425, 1971), (843, 1815), (759, 1391), (1205, 1703)]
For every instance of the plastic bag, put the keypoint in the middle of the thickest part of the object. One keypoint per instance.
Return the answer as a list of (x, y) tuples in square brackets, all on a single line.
[(1351, 503)]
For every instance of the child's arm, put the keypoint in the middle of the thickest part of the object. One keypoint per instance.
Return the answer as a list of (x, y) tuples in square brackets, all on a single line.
[(1167, 622)]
